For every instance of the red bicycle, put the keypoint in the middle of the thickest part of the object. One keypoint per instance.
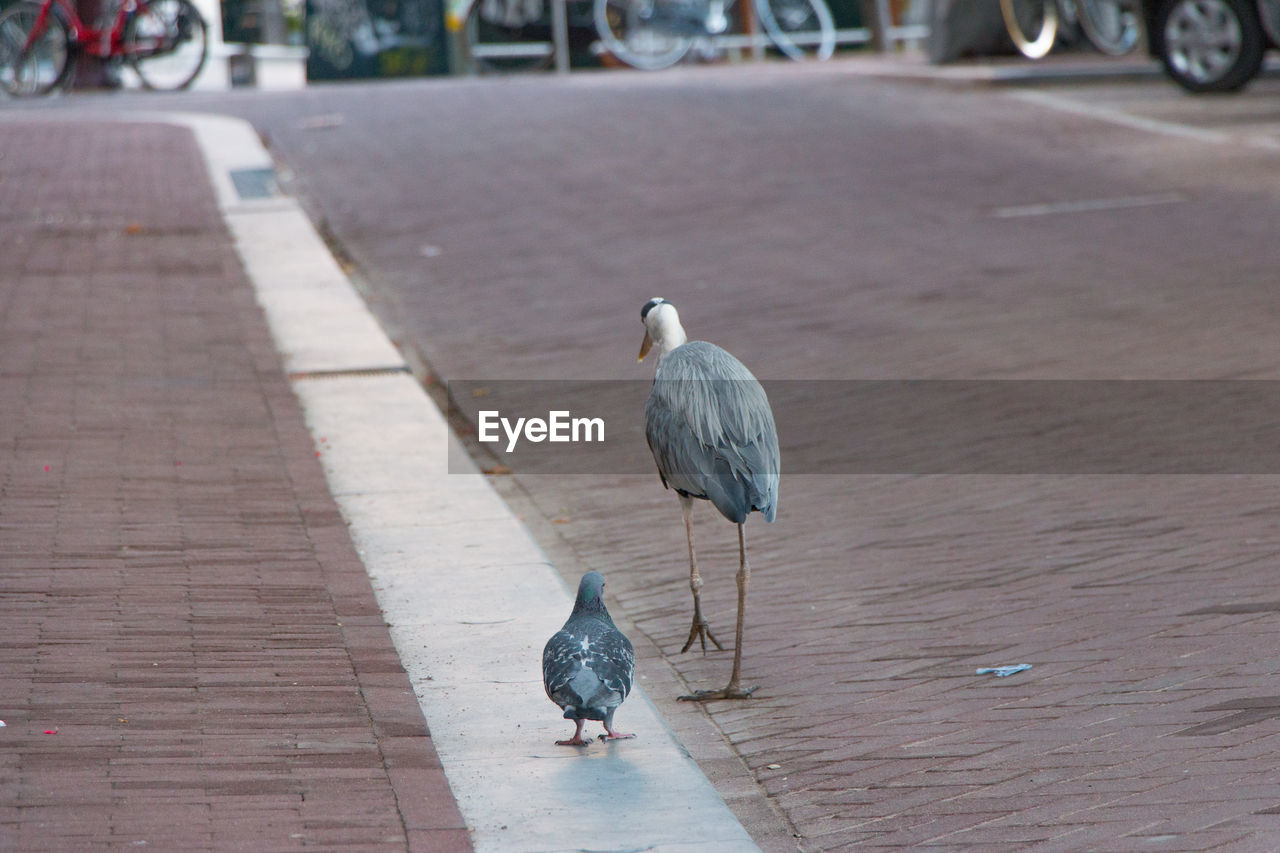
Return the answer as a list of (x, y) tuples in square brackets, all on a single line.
[(165, 42)]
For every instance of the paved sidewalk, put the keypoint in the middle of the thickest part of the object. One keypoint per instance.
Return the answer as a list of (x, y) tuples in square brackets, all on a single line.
[(192, 654), (1146, 604), (216, 640)]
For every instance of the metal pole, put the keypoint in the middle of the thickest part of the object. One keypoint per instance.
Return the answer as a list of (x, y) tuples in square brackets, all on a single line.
[(560, 34), (884, 24), (751, 27)]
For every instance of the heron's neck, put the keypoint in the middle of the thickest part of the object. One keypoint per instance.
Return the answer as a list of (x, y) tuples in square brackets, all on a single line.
[(672, 336)]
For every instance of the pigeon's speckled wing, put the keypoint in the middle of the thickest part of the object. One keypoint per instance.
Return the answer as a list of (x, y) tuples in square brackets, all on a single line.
[(587, 668)]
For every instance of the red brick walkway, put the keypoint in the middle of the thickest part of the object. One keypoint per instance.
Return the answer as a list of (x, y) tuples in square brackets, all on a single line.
[(819, 226), (191, 653)]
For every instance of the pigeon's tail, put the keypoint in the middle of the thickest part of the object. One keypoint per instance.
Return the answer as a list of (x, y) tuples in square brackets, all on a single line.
[(574, 713)]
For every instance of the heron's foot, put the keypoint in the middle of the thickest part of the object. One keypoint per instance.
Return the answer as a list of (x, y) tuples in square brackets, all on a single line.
[(701, 632), (576, 740), (612, 735), (724, 693)]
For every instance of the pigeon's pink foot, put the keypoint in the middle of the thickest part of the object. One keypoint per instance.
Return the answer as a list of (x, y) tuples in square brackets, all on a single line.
[(576, 740), (612, 735)]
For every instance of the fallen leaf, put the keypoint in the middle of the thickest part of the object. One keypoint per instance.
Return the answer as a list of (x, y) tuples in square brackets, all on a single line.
[(498, 469)]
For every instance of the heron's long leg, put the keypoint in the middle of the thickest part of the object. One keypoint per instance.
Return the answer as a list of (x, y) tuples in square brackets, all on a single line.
[(699, 630), (734, 690), (744, 577)]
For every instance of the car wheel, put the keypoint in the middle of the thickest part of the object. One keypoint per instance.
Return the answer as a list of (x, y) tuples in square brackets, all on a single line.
[(1210, 45)]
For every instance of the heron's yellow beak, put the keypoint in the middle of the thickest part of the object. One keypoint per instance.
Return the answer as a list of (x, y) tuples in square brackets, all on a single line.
[(645, 346)]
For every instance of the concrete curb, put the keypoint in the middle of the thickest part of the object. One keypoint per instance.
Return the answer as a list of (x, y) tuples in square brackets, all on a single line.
[(1014, 72), (468, 595)]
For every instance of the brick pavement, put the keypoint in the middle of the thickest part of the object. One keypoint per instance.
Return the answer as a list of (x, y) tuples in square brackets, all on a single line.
[(192, 657), (1146, 604)]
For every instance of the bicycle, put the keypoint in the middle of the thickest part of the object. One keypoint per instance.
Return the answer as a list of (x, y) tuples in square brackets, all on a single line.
[(1114, 27), (653, 34), (165, 42)]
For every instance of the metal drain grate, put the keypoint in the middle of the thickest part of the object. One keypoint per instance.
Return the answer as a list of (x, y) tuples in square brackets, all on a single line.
[(255, 183)]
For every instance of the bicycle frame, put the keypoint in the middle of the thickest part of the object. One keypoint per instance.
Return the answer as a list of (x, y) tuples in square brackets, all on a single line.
[(706, 24), (100, 42), (699, 19), (668, 29)]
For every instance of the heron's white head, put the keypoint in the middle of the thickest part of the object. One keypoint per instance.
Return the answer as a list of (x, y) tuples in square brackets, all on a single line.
[(661, 327)]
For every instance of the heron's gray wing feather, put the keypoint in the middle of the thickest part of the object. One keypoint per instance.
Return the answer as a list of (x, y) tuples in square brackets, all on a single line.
[(711, 430)]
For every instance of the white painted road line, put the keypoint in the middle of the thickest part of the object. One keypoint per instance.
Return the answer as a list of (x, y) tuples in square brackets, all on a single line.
[(1114, 116), (1087, 205), (1149, 125), (469, 595)]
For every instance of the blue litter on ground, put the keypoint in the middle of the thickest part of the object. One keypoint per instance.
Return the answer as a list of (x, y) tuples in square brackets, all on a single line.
[(1004, 671)]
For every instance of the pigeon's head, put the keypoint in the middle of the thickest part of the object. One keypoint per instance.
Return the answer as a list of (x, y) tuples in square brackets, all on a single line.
[(590, 595), (591, 587), (661, 327)]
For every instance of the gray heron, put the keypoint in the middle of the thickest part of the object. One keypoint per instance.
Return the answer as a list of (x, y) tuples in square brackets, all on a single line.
[(712, 435)]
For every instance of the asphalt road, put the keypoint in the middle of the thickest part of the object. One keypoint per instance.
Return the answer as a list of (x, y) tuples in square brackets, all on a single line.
[(826, 225)]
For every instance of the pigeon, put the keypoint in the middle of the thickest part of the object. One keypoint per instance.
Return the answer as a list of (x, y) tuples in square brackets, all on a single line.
[(588, 665)]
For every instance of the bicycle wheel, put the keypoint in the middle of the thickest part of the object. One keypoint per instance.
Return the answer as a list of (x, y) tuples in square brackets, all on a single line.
[(1114, 26), (1032, 24), (802, 29), (36, 68), (166, 43), (509, 35), (630, 31)]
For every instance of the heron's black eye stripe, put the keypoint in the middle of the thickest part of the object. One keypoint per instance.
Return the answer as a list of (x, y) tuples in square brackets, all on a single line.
[(648, 306)]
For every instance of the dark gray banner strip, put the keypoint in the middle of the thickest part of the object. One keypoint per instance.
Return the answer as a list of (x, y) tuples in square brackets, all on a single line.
[(902, 426)]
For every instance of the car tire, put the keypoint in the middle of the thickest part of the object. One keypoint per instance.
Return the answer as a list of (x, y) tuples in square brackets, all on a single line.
[(1209, 45)]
